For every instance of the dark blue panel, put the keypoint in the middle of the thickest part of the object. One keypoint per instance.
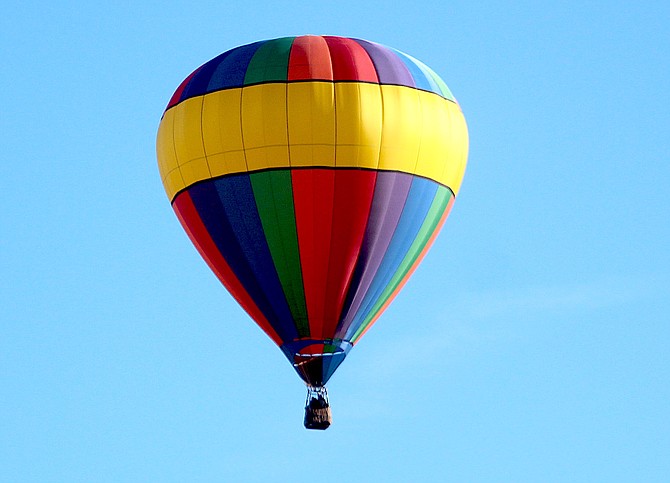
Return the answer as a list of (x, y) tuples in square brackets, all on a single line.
[(228, 211), (230, 71), (237, 196), (198, 84), (223, 71)]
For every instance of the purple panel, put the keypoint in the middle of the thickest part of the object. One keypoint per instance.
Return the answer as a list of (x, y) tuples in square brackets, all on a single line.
[(390, 68), (389, 198)]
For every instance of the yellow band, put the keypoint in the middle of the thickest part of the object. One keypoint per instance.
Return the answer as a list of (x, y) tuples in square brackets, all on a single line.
[(321, 124)]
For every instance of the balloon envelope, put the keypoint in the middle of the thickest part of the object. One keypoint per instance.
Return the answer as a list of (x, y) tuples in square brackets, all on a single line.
[(312, 173)]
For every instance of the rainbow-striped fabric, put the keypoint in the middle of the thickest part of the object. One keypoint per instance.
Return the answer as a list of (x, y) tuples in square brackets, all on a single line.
[(312, 173)]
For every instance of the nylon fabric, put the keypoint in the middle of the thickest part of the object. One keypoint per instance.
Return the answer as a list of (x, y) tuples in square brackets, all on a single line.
[(417, 206), (229, 213), (390, 69), (313, 195), (310, 59), (190, 219), (429, 231), (273, 194), (350, 61), (357, 125), (352, 201), (391, 190), (312, 174), (270, 62), (222, 132), (311, 123), (264, 127)]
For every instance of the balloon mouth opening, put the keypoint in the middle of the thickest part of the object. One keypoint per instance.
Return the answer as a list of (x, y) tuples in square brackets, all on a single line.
[(315, 361), (303, 358), (316, 369)]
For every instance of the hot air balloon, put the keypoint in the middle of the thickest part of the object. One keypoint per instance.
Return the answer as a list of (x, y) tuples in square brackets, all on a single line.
[(312, 174)]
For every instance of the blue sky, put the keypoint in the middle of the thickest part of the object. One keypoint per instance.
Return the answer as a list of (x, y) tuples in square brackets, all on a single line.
[(531, 345)]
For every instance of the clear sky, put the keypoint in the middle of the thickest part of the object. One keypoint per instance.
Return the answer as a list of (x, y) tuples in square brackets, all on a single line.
[(531, 345)]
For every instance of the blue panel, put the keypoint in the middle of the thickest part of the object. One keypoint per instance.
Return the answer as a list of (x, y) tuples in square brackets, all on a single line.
[(423, 79), (231, 71), (331, 363), (390, 195), (417, 206), (228, 211), (198, 84), (238, 201), (222, 72)]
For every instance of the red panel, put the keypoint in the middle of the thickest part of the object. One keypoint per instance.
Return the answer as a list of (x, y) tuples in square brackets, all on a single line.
[(331, 209), (354, 190), (313, 193), (177, 94), (309, 59), (350, 61), (190, 220), (313, 349), (409, 273)]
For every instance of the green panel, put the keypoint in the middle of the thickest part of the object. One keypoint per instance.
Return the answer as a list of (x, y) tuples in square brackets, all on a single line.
[(446, 92), (273, 192), (433, 217), (270, 62)]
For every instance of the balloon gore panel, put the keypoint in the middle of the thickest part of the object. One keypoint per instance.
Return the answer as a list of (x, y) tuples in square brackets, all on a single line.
[(312, 173)]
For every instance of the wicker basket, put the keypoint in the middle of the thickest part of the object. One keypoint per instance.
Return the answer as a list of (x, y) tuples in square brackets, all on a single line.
[(317, 408), (318, 418)]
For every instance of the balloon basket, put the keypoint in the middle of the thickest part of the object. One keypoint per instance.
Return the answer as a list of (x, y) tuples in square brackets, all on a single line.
[(317, 408)]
